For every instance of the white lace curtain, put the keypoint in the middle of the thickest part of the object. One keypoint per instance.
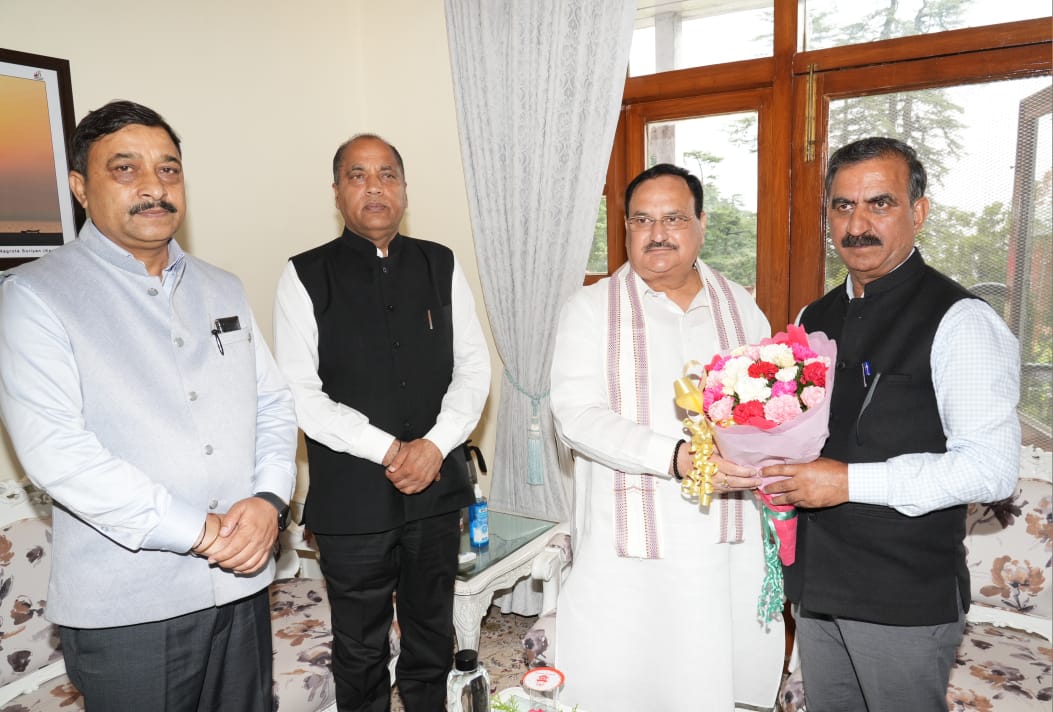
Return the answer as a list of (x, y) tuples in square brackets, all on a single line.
[(538, 87)]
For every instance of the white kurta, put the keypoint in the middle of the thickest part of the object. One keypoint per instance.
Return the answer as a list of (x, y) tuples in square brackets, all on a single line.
[(676, 633)]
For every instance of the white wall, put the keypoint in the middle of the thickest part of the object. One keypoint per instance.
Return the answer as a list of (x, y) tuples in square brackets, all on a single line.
[(261, 94)]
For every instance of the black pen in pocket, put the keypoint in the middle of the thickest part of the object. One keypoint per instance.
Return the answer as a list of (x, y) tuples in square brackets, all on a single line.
[(866, 402)]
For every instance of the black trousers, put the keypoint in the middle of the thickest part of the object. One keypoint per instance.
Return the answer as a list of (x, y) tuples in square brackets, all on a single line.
[(215, 660), (418, 561)]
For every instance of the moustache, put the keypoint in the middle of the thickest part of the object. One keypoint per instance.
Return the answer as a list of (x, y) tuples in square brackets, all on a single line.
[(864, 240), (656, 245), (150, 205)]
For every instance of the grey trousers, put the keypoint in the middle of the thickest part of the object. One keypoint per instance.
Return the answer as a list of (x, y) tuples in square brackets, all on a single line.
[(215, 660), (853, 666)]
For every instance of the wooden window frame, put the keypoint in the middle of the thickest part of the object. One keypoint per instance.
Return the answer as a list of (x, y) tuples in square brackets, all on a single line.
[(790, 247)]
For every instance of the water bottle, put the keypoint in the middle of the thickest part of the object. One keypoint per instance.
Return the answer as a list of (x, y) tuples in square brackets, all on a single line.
[(478, 521), (468, 687)]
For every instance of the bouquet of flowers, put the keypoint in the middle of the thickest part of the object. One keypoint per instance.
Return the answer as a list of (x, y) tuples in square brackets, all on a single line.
[(769, 404)]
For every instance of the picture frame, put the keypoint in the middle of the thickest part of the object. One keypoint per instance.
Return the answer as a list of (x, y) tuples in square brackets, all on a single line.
[(37, 210)]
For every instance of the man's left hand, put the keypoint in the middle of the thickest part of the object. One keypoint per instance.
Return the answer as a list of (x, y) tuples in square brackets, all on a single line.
[(415, 467), (247, 536), (821, 483), (731, 477)]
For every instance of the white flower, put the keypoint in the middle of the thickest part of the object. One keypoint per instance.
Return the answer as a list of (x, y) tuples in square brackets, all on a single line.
[(749, 389), (779, 354), (734, 370), (786, 374)]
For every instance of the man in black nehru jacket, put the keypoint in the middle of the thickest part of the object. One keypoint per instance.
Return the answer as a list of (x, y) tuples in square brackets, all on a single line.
[(378, 337), (922, 422)]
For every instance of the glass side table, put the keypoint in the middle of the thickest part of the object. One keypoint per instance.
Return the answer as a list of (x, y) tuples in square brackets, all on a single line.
[(514, 542)]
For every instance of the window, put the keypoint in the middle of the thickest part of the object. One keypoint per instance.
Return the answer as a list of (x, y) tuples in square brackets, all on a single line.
[(969, 93)]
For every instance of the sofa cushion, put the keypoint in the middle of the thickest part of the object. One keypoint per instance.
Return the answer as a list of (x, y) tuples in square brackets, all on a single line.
[(1010, 553), (57, 695), (539, 643), (28, 642), (1001, 669), (303, 645)]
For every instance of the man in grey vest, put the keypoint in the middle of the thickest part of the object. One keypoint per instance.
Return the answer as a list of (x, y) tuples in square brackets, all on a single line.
[(922, 422), (139, 393), (378, 336)]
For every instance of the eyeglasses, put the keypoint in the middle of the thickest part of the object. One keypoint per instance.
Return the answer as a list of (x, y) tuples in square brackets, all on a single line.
[(641, 223)]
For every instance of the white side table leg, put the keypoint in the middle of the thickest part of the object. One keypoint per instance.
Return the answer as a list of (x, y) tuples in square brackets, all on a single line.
[(468, 612)]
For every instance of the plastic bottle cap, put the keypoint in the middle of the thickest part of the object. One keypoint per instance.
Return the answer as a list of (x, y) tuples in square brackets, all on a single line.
[(466, 660), (541, 679), (478, 492)]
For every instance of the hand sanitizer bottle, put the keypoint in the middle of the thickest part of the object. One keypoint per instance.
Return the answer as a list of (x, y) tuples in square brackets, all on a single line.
[(478, 521)]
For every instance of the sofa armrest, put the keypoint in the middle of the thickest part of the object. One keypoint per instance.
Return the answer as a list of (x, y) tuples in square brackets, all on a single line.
[(550, 567), (983, 614)]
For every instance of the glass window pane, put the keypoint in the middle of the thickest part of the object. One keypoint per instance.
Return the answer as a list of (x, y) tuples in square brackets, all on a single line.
[(677, 34), (835, 23), (598, 251), (722, 151), (988, 152)]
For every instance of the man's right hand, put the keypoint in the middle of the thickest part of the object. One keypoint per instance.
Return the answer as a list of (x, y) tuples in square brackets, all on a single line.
[(415, 467)]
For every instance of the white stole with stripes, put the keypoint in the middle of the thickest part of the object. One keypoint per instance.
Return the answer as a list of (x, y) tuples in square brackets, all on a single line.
[(637, 526)]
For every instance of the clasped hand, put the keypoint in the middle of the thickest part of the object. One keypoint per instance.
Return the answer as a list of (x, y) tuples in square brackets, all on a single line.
[(242, 539), (415, 466)]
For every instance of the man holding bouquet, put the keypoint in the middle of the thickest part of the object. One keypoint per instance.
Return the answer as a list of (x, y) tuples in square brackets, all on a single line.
[(657, 584), (922, 422)]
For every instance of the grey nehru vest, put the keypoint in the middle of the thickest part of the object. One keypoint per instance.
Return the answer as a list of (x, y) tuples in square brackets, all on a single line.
[(158, 394)]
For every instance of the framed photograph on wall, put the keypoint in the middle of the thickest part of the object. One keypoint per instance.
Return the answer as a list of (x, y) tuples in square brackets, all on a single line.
[(37, 211)]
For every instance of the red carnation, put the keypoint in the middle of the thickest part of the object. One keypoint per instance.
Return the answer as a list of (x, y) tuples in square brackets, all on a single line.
[(814, 373), (743, 412), (763, 369)]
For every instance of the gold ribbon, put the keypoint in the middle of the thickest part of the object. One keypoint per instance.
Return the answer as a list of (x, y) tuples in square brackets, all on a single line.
[(699, 481)]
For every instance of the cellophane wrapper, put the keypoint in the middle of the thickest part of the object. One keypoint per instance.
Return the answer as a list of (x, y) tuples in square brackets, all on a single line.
[(796, 441)]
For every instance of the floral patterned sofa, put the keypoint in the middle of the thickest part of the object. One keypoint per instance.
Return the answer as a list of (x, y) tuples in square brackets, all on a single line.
[(32, 672), (1005, 661)]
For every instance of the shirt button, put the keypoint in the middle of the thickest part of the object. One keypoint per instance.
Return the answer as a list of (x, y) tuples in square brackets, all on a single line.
[(402, 384), (193, 395), (384, 269), (406, 424), (395, 344), (390, 307), (208, 449), (212, 504), (178, 341), (811, 517), (152, 292)]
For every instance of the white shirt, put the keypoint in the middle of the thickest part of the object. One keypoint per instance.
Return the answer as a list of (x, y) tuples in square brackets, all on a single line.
[(341, 427), (975, 365)]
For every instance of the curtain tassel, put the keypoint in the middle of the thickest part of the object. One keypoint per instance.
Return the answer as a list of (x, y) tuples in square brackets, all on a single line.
[(535, 448)]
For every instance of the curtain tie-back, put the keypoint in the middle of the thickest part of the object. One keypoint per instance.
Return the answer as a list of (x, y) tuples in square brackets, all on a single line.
[(535, 451)]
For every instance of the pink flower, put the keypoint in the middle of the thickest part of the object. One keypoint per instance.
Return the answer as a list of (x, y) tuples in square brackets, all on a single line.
[(802, 352), (812, 396), (711, 395), (782, 408), (721, 409), (784, 388)]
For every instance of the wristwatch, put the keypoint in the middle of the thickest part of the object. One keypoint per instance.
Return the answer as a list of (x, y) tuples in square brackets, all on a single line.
[(280, 505)]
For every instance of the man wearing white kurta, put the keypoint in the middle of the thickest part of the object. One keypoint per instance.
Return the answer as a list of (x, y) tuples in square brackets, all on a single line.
[(659, 612)]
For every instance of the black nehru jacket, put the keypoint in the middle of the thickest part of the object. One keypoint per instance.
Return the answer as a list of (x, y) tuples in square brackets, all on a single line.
[(863, 561), (385, 348)]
